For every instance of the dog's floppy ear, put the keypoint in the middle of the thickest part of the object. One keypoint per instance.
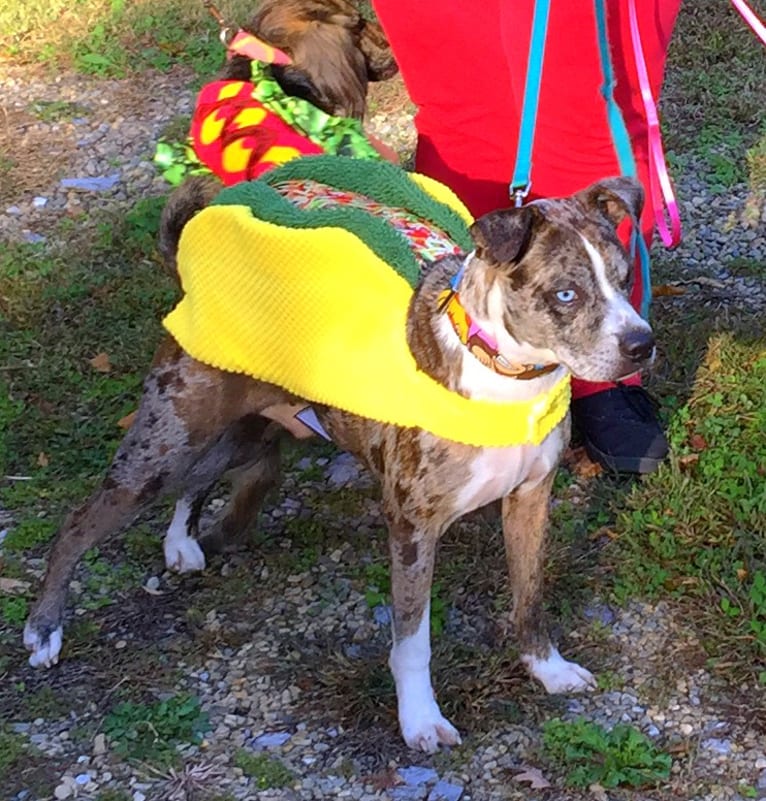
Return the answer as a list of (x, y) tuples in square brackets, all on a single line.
[(502, 237), (381, 64), (615, 198)]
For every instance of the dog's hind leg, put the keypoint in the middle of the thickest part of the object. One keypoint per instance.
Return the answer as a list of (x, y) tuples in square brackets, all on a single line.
[(250, 484), (412, 563), (525, 523), (249, 452), (143, 468), (184, 411)]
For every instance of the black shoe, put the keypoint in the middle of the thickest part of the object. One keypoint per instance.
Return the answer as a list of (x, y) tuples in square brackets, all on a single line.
[(620, 429)]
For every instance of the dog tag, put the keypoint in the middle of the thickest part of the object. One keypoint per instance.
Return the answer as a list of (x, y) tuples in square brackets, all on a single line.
[(309, 418)]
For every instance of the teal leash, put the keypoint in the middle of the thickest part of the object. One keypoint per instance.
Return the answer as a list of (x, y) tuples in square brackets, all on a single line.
[(522, 181), (623, 148)]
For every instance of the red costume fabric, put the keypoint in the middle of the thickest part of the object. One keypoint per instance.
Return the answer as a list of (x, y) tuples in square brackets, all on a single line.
[(464, 64), (238, 138)]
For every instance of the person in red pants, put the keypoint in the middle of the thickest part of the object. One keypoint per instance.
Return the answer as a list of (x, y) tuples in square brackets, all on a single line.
[(464, 65)]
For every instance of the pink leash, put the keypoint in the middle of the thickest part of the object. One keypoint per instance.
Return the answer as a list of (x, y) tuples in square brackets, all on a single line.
[(660, 186), (759, 29)]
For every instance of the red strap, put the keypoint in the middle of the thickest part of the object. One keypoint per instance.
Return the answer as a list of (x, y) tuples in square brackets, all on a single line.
[(660, 186), (245, 44)]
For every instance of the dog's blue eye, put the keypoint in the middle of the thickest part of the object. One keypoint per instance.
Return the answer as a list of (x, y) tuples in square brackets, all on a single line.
[(566, 295)]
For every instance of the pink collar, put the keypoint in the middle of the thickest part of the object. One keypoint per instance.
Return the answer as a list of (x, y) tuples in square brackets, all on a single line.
[(481, 344)]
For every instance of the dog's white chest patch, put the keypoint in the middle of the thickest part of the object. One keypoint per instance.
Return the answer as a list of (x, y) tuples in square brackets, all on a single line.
[(496, 472)]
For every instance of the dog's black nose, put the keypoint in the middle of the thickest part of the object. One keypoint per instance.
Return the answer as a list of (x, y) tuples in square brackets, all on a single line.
[(638, 346)]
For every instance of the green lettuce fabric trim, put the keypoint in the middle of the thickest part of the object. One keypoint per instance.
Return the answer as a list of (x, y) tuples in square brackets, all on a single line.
[(341, 136), (384, 182)]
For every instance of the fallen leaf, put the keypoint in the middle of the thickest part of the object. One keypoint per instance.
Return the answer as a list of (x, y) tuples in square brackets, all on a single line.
[(127, 421), (667, 290), (698, 442), (101, 363), (385, 779), (534, 778), (603, 531), (688, 461), (43, 460), (742, 574), (12, 585), (578, 461)]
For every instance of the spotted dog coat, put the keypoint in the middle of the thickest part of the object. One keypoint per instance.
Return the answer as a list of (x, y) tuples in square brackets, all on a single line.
[(549, 282)]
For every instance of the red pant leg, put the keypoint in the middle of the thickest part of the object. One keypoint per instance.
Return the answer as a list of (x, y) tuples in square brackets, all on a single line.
[(464, 65), (452, 59)]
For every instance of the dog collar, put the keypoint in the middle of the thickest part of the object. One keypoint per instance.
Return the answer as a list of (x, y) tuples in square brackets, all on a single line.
[(481, 344), (250, 46)]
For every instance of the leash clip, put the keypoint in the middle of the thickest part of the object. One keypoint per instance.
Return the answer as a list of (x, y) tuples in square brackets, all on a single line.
[(518, 194), (224, 32)]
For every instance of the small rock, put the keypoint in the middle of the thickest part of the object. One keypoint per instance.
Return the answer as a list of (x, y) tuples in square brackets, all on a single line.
[(686, 729), (271, 739), (99, 745), (445, 791), (63, 791), (96, 184), (717, 745), (120, 644), (152, 583), (418, 775)]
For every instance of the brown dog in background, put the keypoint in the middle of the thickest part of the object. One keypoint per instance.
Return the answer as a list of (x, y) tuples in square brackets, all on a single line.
[(335, 52)]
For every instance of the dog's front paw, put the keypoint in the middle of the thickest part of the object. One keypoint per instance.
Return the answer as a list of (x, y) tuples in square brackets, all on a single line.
[(425, 728), (557, 675), (44, 643), (183, 554)]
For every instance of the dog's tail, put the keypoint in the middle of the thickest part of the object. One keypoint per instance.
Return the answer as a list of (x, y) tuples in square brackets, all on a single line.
[(184, 202)]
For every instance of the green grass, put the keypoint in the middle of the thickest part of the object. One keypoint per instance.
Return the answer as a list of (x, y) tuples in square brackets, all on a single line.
[(99, 294), (695, 531), (712, 103), (117, 38)]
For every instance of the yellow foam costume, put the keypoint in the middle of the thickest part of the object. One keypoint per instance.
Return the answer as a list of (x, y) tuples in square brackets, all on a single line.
[(317, 312)]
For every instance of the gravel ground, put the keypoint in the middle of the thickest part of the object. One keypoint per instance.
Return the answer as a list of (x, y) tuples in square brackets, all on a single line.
[(259, 669)]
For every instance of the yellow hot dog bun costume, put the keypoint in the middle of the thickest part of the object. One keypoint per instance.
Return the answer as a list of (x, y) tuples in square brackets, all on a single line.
[(303, 278)]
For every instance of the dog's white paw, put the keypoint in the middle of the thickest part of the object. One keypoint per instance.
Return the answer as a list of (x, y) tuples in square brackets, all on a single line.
[(44, 652), (424, 728), (183, 554), (559, 676)]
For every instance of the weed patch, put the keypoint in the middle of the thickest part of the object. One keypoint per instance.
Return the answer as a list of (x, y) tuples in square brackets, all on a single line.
[(589, 754), (150, 732), (266, 771), (14, 611), (12, 750)]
